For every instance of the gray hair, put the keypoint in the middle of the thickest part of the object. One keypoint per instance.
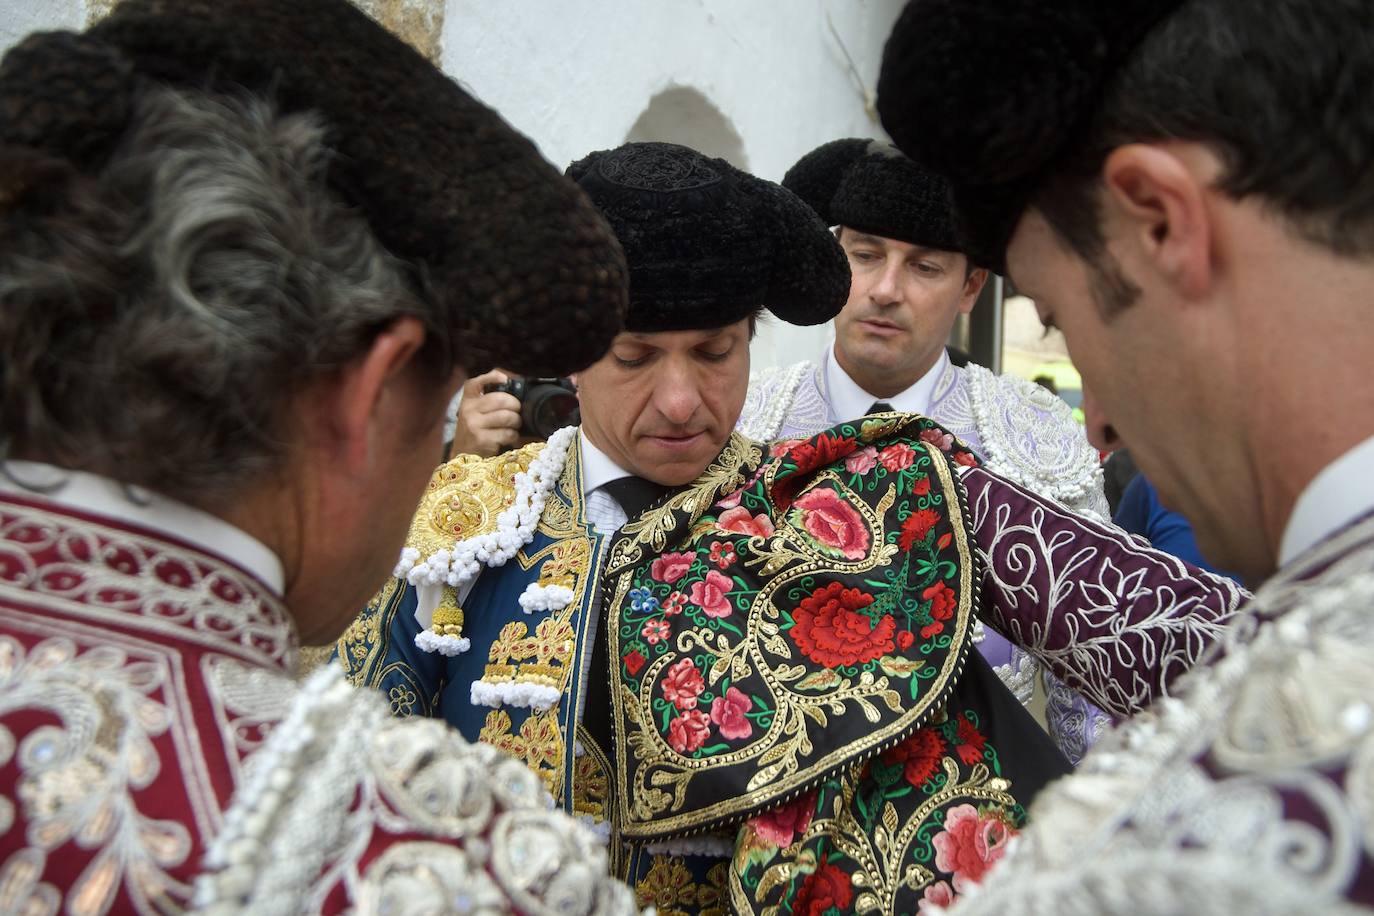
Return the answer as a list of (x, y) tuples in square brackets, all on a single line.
[(155, 317)]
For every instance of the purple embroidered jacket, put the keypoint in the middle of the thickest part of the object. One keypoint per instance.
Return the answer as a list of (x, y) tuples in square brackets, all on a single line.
[(1249, 790)]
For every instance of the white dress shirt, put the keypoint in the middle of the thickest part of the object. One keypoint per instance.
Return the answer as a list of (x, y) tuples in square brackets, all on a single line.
[(605, 514), (849, 402), (97, 495), (1341, 493)]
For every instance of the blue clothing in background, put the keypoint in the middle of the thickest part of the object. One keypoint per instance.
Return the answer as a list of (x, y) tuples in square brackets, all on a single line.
[(1140, 512)]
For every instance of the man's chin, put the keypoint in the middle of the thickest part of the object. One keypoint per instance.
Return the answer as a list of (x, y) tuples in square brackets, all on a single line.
[(673, 463)]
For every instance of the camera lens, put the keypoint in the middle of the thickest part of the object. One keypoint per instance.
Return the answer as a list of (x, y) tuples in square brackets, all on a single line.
[(548, 408)]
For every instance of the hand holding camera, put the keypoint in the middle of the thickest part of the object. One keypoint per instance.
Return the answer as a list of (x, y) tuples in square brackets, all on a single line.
[(501, 411)]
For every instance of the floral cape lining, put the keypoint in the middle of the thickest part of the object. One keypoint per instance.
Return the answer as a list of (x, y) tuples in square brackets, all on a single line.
[(785, 616)]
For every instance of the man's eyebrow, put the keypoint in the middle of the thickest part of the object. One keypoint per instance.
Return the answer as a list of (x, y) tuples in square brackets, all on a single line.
[(866, 237)]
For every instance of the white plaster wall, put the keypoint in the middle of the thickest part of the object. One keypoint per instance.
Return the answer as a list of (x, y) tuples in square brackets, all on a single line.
[(20, 17), (575, 75)]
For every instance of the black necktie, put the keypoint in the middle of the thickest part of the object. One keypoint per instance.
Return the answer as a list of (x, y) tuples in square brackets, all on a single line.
[(635, 494), (880, 407)]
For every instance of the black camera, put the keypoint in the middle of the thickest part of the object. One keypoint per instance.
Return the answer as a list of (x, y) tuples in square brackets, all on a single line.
[(546, 404)]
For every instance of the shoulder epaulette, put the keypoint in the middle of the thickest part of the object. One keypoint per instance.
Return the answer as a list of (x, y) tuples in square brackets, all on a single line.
[(465, 496)]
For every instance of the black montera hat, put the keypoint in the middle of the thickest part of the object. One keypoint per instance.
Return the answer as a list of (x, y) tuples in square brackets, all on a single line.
[(871, 186), (991, 94), (708, 244), (511, 249)]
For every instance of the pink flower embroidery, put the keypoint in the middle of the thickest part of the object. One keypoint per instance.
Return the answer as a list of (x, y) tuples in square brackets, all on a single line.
[(728, 712), (941, 440), (722, 554), (732, 500), (674, 604), (862, 461), (834, 523), (710, 594), (655, 631), (781, 826), (740, 521), (688, 732), (896, 456), (782, 447), (939, 894), (671, 566), (682, 684), (969, 845)]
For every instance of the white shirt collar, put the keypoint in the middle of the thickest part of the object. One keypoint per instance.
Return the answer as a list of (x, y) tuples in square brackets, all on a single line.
[(849, 402), (597, 468), (99, 495), (1341, 493)]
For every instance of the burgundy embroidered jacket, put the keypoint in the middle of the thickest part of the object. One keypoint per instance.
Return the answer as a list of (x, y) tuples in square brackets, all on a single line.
[(155, 751)]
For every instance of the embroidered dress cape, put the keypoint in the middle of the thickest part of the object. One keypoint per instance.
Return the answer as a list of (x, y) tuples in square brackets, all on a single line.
[(1021, 431), (156, 750), (675, 848)]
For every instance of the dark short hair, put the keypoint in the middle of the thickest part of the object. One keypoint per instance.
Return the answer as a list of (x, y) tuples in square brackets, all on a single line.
[(1278, 90)]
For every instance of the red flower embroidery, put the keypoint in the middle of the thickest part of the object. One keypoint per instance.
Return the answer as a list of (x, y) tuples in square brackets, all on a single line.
[(740, 521), (829, 630), (921, 487), (722, 554), (728, 712), (943, 601), (674, 604), (682, 684), (905, 639), (671, 566), (824, 889), (969, 845), (689, 731), (782, 826), (919, 755), (966, 459), (710, 594), (916, 526), (897, 456), (634, 661), (820, 451), (971, 750), (834, 523)]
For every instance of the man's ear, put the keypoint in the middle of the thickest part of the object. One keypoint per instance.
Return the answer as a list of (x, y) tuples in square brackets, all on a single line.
[(367, 387), (973, 285), (1160, 205)]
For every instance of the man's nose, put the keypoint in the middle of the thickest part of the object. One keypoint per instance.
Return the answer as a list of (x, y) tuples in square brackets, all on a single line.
[(677, 392), (886, 288)]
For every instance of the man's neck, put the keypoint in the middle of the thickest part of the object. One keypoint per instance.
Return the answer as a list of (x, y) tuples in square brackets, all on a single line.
[(883, 385)]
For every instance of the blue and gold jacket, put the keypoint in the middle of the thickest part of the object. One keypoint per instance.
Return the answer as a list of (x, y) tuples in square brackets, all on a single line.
[(779, 711)]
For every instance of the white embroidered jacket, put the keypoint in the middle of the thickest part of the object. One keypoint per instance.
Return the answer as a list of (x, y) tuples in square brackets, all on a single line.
[(1023, 432)]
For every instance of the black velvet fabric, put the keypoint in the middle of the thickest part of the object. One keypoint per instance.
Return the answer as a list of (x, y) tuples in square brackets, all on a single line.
[(991, 94), (709, 244), (873, 187), (513, 251)]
